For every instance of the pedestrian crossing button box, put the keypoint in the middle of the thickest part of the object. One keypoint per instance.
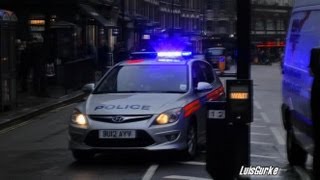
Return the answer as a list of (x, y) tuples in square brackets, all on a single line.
[(239, 101)]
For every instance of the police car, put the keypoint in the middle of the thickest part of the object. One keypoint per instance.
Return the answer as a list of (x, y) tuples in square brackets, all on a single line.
[(146, 104)]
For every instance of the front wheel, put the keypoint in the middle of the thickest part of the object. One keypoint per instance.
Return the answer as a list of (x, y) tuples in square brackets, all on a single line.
[(296, 155), (192, 142)]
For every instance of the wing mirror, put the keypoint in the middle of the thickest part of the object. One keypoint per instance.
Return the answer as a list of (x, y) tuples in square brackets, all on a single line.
[(88, 88), (203, 86)]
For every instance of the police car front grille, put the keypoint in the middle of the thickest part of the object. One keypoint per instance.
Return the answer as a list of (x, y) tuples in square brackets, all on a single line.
[(143, 139), (126, 118)]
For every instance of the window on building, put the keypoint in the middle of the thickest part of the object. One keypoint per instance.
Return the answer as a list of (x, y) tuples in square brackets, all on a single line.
[(259, 25), (270, 25), (280, 25)]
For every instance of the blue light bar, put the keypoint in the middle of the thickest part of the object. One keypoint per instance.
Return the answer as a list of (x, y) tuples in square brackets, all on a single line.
[(174, 54), (186, 53)]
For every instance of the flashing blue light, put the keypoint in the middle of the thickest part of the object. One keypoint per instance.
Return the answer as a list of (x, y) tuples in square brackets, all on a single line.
[(174, 54), (186, 53)]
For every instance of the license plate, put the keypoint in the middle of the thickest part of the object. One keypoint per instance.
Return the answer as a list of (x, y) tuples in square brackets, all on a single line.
[(117, 134)]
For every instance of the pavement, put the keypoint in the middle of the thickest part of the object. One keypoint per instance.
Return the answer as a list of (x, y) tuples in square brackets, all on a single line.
[(29, 105)]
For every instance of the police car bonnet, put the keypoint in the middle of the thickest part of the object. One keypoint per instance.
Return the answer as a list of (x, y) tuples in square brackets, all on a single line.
[(131, 104)]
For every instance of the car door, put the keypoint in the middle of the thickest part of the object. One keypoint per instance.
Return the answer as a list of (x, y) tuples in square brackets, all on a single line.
[(201, 72)]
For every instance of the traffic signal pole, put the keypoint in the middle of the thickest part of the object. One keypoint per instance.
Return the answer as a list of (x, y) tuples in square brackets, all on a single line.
[(228, 122), (243, 38)]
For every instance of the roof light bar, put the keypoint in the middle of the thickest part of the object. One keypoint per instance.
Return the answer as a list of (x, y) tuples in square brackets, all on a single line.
[(174, 54)]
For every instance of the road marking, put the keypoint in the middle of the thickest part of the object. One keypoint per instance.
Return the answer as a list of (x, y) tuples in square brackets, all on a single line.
[(258, 126), (261, 143), (302, 173), (185, 177), (194, 163), (259, 134), (150, 172), (257, 104), (265, 117), (257, 119), (261, 156), (277, 135)]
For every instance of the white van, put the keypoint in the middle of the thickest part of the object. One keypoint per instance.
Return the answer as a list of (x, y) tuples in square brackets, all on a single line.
[(303, 36)]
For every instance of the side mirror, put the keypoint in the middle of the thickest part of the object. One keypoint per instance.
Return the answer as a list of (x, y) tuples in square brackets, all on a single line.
[(203, 86), (88, 88)]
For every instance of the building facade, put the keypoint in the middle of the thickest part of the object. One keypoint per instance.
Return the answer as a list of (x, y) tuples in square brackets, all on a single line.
[(221, 16), (269, 22), (149, 18)]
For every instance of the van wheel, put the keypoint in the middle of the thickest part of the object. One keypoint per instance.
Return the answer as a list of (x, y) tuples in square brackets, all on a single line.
[(295, 154), (83, 156), (192, 143)]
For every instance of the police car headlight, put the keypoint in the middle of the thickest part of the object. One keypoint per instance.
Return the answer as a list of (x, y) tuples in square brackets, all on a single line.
[(168, 117), (79, 119)]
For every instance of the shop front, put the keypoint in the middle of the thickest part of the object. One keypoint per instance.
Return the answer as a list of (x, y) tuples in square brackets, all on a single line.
[(69, 34)]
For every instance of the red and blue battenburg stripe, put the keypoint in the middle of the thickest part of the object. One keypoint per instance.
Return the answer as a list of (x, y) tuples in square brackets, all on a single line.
[(191, 107), (196, 105), (133, 61), (215, 94)]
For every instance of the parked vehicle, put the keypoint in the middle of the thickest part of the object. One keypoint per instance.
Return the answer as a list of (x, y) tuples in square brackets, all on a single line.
[(215, 54)]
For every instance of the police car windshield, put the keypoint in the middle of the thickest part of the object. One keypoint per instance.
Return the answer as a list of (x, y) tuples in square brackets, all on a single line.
[(145, 79)]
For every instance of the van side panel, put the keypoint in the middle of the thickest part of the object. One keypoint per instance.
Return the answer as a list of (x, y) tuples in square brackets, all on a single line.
[(303, 35)]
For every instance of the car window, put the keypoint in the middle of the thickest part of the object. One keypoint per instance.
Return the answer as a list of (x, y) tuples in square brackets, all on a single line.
[(197, 74), (207, 72), (145, 78)]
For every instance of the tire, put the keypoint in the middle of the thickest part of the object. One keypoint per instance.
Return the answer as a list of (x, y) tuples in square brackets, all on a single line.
[(82, 155), (295, 154), (192, 143)]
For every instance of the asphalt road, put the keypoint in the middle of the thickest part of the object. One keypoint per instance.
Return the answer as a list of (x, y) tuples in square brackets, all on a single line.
[(38, 149)]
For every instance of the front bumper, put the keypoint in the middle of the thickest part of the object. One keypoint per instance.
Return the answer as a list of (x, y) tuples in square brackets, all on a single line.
[(148, 137)]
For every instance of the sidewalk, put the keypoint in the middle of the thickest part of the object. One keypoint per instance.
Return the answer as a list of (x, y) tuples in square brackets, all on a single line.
[(29, 105)]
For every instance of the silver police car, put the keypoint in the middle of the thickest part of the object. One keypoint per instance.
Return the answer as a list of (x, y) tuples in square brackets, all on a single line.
[(146, 104)]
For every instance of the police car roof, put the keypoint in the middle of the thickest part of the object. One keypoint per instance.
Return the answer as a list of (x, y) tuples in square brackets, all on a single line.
[(157, 61)]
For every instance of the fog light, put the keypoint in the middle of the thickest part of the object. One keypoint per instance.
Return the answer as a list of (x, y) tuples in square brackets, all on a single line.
[(172, 137)]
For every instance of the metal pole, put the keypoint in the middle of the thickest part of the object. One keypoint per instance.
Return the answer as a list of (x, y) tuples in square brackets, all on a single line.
[(242, 130), (243, 39)]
